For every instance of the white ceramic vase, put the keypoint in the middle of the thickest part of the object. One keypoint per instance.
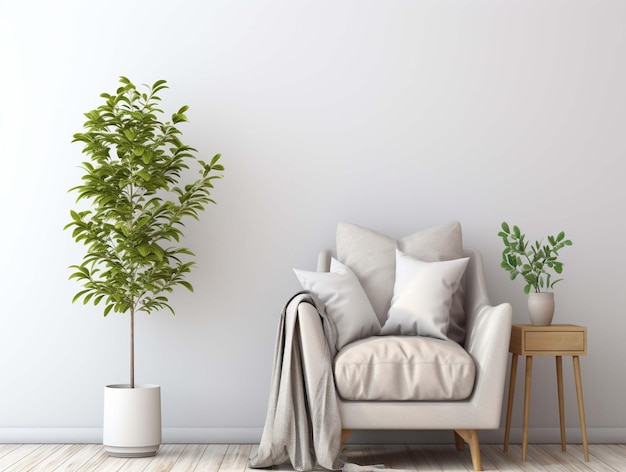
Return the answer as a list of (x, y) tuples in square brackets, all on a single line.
[(541, 308), (132, 420)]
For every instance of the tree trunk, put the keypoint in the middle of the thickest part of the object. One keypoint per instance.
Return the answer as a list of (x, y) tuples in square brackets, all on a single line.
[(132, 347)]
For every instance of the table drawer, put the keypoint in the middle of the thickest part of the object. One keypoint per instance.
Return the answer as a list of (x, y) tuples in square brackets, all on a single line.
[(570, 341)]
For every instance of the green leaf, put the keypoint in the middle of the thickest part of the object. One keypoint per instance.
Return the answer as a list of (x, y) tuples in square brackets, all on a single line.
[(216, 158), (159, 85), (187, 285), (144, 250), (78, 295), (144, 175), (129, 133)]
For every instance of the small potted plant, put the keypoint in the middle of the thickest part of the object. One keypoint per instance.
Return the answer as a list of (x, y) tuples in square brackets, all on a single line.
[(131, 223), (537, 263)]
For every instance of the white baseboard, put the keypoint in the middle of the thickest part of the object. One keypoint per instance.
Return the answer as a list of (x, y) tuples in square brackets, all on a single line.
[(50, 435), (212, 435), (94, 435), (253, 435)]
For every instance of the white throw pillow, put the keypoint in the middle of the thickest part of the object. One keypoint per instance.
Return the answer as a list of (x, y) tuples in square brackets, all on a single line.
[(346, 303), (422, 296)]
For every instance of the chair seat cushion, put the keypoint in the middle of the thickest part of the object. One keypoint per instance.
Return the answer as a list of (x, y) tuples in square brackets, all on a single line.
[(404, 368)]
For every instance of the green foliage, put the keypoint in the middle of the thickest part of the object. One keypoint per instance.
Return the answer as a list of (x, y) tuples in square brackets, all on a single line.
[(137, 204), (533, 262)]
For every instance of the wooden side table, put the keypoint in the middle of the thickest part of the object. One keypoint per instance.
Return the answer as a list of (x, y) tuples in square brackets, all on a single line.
[(553, 340)]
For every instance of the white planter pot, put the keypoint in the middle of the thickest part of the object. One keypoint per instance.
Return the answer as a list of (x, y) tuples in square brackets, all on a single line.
[(541, 308), (132, 420)]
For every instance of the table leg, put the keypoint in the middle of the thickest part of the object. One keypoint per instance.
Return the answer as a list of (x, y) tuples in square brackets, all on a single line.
[(581, 406), (529, 374), (509, 408), (559, 384)]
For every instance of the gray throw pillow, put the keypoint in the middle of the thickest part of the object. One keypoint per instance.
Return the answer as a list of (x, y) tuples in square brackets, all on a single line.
[(347, 305)]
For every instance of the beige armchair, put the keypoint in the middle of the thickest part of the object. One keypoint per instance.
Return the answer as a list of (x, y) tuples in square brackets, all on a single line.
[(486, 341)]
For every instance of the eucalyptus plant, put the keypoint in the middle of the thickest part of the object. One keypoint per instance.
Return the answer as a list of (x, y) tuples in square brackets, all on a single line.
[(534, 262), (136, 204)]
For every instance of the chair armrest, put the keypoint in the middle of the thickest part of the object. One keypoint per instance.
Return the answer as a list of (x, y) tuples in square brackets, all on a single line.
[(313, 344), (488, 332), (487, 341)]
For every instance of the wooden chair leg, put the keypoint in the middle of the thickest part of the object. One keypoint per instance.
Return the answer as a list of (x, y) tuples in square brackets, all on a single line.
[(470, 436), (459, 442)]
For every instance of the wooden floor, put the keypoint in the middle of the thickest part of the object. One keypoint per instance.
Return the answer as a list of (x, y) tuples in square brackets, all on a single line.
[(234, 458)]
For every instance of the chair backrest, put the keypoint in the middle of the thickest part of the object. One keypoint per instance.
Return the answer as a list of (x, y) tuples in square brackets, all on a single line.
[(323, 260)]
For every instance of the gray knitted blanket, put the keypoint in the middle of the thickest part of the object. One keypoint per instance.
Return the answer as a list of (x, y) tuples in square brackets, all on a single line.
[(309, 438)]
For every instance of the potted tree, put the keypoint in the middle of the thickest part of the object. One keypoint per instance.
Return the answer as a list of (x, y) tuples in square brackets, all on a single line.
[(131, 227), (536, 263)]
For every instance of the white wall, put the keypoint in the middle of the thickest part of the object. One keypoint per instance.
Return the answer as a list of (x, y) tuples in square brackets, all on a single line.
[(395, 115)]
